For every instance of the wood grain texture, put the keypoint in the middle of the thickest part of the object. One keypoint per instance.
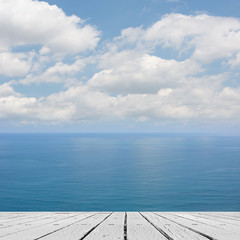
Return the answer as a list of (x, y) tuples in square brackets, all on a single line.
[(221, 216), (139, 228), (171, 229), (211, 231), (120, 225), (42, 227), (212, 222), (27, 219), (80, 229), (111, 229)]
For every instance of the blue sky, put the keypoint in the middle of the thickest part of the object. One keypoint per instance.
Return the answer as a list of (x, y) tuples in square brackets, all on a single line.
[(146, 65), (111, 16)]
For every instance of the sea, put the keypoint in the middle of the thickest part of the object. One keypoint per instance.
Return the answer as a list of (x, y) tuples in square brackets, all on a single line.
[(119, 172)]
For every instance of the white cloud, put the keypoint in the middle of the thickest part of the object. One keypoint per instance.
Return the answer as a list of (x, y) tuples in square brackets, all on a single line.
[(130, 79), (80, 103), (207, 37), (70, 69), (17, 107), (24, 22), (6, 90), (60, 72), (14, 64), (143, 74), (209, 101), (235, 62), (13, 105)]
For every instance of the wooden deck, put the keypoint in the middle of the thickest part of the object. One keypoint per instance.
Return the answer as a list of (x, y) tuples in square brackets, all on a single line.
[(120, 225)]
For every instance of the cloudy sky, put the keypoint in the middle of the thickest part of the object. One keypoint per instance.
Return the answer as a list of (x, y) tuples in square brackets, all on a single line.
[(138, 65)]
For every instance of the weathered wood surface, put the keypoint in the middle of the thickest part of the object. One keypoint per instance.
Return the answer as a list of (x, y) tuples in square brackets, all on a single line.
[(120, 225)]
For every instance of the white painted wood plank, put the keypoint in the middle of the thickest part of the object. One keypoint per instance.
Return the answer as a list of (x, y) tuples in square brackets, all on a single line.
[(23, 220), (10, 216), (140, 229), (173, 230), (223, 215), (26, 229), (78, 230), (234, 214), (220, 218), (203, 228), (218, 225), (32, 217), (111, 229), (211, 222), (12, 213)]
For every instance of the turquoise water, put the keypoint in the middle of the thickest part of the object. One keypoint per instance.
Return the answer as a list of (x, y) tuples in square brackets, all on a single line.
[(121, 172)]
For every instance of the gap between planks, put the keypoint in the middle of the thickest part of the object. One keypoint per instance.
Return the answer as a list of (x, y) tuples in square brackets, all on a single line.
[(120, 225)]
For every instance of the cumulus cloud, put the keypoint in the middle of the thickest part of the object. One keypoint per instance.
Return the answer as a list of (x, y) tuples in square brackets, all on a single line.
[(60, 72), (6, 90), (144, 74), (17, 108), (13, 105), (14, 64), (80, 103), (209, 101), (235, 61), (206, 37), (24, 22), (129, 77)]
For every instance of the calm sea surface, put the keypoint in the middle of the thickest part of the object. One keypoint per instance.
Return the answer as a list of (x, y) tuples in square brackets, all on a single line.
[(121, 172)]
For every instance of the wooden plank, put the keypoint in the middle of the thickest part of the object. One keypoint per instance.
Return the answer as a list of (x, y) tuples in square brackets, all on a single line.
[(222, 215), (139, 228), (78, 230), (233, 214), (23, 220), (146, 225), (171, 229), (37, 229), (30, 218), (14, 216), (210, 231), (18, 228), (220, 218), (211, 222), (111, 229), (10, 216)]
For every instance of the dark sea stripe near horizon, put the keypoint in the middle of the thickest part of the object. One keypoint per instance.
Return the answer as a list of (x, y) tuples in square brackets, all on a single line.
[(119, 172)]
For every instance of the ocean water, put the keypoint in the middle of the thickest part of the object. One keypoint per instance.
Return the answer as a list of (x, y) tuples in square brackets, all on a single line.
[(119, 172)]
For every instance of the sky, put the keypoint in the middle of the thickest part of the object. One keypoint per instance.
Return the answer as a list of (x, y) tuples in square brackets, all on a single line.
[(120, 66)]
